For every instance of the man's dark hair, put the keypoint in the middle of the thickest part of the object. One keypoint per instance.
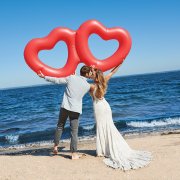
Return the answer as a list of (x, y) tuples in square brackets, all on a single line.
[(84, 70)]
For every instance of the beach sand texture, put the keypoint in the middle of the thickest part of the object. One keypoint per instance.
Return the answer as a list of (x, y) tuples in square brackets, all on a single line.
[(40, 164)]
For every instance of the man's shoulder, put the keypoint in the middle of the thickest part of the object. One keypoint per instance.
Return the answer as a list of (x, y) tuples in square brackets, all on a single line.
[(72, 77), (76, 77)]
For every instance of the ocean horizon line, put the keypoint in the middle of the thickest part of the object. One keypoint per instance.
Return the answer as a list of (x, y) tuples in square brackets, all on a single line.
[(44, 84)]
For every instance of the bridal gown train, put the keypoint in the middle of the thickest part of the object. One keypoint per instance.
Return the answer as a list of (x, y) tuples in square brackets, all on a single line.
[(111, 144)]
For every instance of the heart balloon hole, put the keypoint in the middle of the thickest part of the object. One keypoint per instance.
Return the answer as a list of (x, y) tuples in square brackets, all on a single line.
[(100, 48), (55, 57)]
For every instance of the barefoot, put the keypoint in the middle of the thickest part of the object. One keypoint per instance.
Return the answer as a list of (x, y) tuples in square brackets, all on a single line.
[(77, 156), (55, 150), (99, 155)]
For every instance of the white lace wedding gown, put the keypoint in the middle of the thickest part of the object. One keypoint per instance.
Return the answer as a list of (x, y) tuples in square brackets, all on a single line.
[(111, 144)]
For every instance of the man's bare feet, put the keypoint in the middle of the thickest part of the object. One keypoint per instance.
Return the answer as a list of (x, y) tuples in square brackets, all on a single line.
[(99, 155), (55, 150), (76, 156)]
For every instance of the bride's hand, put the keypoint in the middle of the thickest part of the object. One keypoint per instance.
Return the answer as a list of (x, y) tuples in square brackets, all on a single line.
[(40, 74), (92, 66), (93, 69)]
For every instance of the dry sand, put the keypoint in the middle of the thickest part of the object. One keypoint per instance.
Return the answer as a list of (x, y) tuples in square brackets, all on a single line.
[(39, 164)]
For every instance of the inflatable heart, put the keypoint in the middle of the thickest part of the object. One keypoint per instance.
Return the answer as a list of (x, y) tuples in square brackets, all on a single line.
[(78, 50), (84, 53), (34, 46)]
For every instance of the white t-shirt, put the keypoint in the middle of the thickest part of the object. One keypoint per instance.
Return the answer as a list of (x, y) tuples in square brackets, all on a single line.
[(76, 88)]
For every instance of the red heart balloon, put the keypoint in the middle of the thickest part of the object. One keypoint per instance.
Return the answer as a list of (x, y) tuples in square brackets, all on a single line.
[(77, 43), (92, 26), (34, 46)]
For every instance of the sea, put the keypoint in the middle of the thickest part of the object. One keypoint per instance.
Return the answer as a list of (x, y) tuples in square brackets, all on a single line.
[(147, 103)]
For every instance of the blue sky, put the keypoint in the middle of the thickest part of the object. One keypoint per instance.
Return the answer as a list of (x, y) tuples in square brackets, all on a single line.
[(154, 27)]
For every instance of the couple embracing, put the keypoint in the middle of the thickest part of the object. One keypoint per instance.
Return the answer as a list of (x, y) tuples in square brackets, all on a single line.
[(109, 142)]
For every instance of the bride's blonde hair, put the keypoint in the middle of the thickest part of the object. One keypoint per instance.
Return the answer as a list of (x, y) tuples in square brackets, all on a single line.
[(101, 83)]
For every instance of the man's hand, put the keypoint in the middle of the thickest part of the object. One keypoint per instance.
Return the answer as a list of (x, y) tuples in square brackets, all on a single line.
[(74, 73), (40, 74)]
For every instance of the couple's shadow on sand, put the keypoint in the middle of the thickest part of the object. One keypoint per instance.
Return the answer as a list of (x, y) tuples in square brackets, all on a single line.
[(46, 152)]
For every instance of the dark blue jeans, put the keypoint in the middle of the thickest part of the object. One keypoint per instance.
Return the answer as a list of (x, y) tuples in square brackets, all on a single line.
[(74, 123)]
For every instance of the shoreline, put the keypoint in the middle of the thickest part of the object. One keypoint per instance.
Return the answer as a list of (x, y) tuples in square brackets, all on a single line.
[(27, 148), (39, 162)]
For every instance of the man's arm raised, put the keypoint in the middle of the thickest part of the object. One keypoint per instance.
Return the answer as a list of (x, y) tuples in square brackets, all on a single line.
[(53, 79)]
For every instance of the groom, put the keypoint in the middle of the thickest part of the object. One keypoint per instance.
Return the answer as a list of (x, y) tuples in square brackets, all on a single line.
[(76, 88)]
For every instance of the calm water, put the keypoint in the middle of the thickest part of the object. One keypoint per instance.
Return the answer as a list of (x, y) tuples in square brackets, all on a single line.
[(142, 103)]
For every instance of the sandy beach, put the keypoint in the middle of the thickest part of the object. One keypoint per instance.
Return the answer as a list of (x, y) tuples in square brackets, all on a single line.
[(40, 164)]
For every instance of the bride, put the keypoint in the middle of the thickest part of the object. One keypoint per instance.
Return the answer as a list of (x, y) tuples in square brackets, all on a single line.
[(109, 141)]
